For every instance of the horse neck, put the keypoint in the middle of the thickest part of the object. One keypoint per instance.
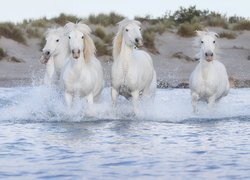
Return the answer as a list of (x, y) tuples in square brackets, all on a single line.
[(126, 51)]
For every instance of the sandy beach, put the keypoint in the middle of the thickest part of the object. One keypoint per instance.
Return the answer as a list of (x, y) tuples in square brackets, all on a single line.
[(173, 63)]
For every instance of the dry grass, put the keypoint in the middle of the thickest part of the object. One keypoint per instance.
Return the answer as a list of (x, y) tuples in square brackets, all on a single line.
[(100, 32), (102, 49), (227, 35), (43, 22), (242, 25), (149, 38), (62, 19), (11, 31), (105, 19), (42, 43), (217, 20), (188, 30), (33, 33)]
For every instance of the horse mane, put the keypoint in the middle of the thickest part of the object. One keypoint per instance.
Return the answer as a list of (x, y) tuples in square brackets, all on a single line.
[(117, 42), (89, 46)]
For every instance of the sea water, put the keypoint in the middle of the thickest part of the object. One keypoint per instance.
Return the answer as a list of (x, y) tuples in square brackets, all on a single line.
[(41, 138)]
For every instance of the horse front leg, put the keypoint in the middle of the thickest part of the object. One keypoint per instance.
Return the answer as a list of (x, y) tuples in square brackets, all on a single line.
[(50, 71), (68, 98), (211, 102), (195, 98), (114, 95), (90, 101), (135, 99)]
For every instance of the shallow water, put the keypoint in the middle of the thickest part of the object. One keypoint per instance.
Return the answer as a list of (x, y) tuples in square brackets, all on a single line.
[(41, 138)]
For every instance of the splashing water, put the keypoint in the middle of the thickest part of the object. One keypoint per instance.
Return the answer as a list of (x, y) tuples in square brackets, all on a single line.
[(42, 103)]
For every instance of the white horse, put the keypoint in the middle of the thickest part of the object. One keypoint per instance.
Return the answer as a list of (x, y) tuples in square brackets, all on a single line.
[(55, 53), (209, 80), (82, 74), (132, 68)]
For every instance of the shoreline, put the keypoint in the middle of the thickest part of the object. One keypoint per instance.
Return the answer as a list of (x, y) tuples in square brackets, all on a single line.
[(161, 84)]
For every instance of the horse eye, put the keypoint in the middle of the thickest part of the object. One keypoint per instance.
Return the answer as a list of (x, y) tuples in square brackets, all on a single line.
[(69, 37), (57, 40), (202, 42), (140, 29), (214, 42), (82, 37), (127, 30)]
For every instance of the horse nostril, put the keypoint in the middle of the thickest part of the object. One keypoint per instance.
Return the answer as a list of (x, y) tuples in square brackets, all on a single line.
[(72, 51), (212, 54), (47, 53), (206, 54), (136, 40), (78, 51)]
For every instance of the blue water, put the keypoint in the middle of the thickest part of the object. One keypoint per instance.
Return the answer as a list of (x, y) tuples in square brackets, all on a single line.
[(40, 138)]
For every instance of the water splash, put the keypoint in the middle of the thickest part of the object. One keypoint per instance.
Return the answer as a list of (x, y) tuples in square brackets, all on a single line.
[(41, 103)]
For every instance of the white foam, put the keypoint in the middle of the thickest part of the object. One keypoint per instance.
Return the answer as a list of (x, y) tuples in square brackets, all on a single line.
[(41, 103)]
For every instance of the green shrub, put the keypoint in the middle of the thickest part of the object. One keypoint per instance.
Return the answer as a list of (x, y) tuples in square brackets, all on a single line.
[(228, 35), (62, 19), (11, 31), (235, 19), (2, 54), (217, 20), (100, 32), (242, 25), (105, 19), (187, 14)]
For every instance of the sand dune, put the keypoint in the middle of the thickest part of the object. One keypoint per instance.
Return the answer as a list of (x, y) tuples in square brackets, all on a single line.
[(173, 63)]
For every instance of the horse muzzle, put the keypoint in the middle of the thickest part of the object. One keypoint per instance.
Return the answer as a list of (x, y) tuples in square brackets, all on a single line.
[(76, 53), (209, 56), (43, 59), (45, 56), (138, 42)]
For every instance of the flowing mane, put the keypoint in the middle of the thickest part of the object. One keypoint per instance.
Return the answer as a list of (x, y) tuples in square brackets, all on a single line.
[(89, 46), (117, 42)]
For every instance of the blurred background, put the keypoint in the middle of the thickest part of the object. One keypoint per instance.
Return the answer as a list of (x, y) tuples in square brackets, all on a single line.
[(168, 32)]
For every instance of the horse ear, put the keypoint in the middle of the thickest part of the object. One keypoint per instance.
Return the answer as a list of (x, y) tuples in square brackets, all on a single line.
[(215, 34), (89, 48)]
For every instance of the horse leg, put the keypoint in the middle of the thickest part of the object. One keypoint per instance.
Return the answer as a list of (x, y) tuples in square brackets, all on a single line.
[(195, 98), (149, 92), (49, 74), (114, 94), (135, 98), (68, 98), (211, 102), (90, 100)]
